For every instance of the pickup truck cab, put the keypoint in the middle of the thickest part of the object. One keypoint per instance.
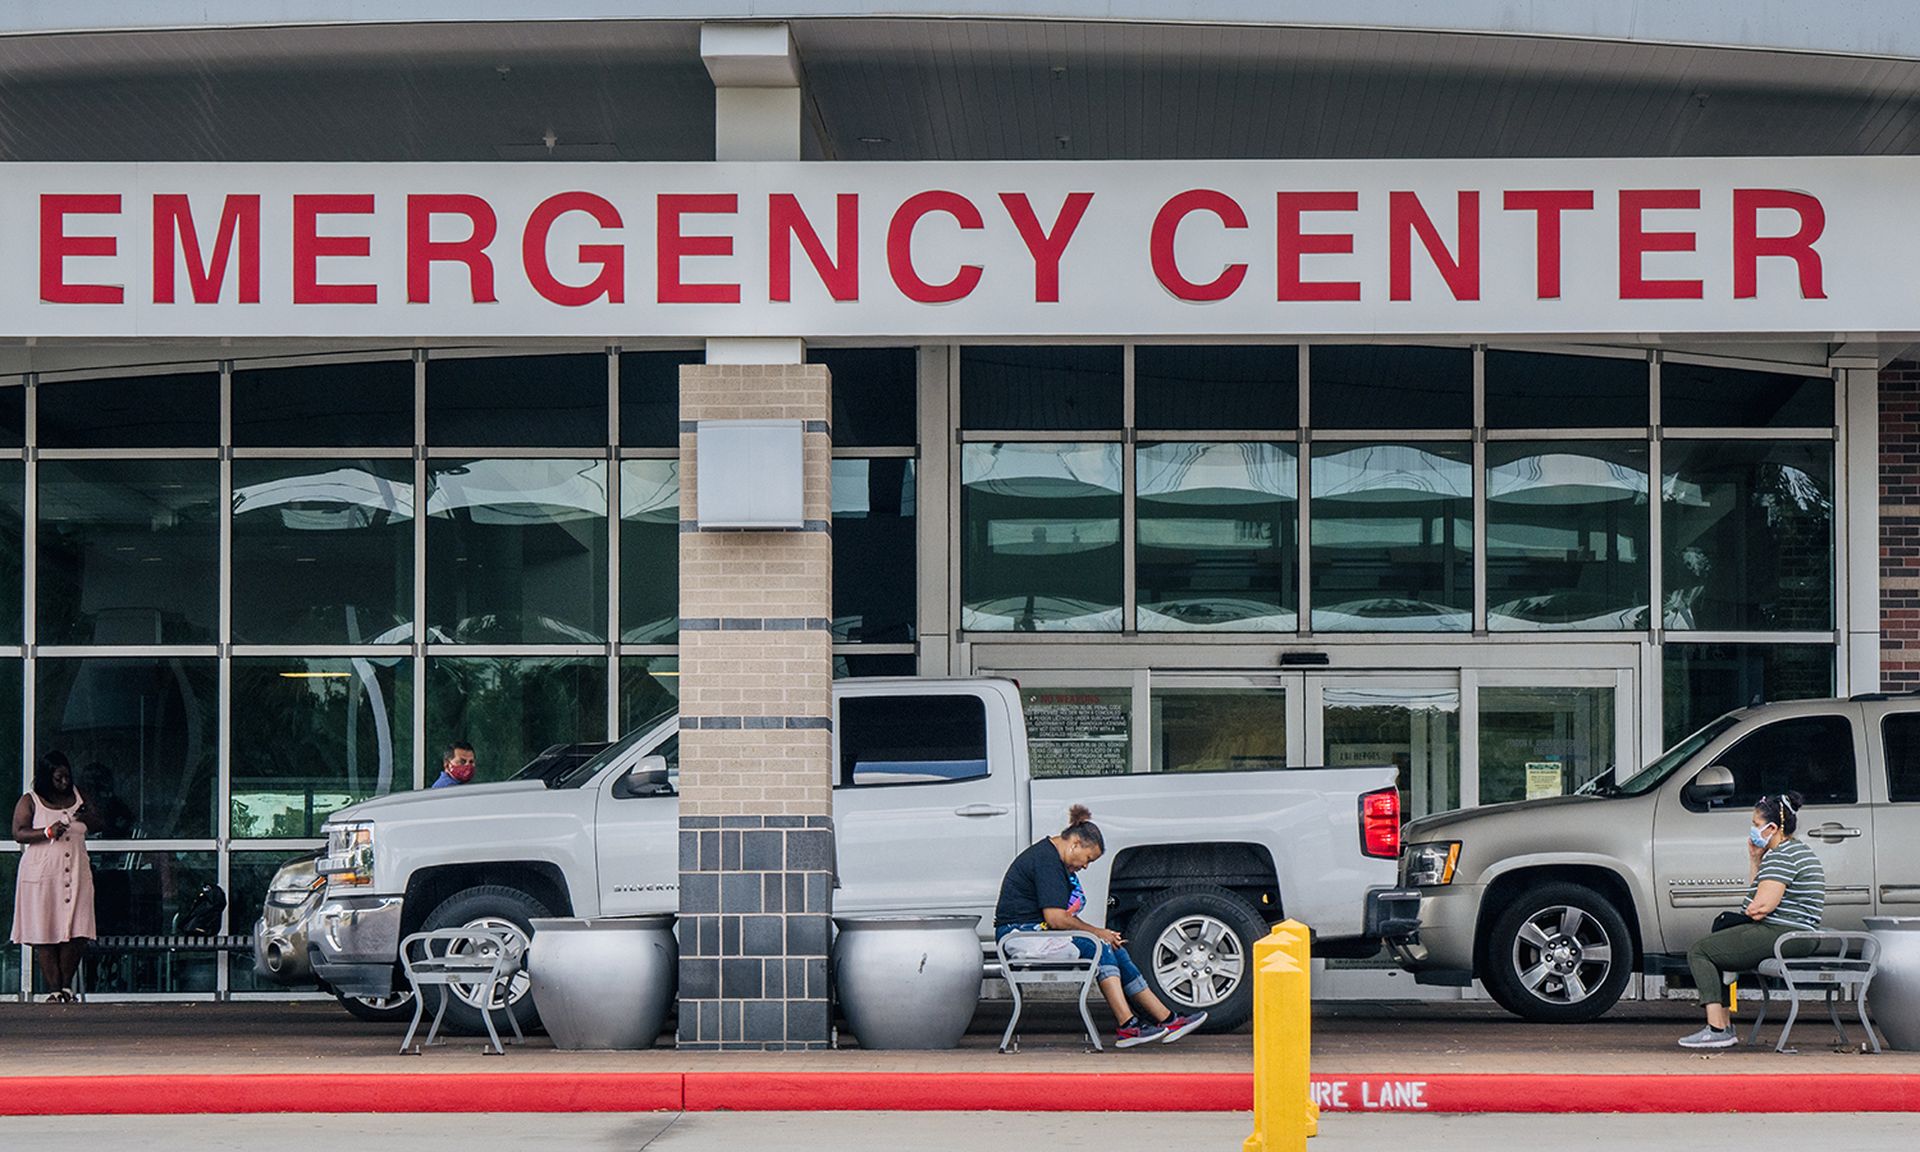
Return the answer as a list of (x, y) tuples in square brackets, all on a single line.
[(1554, 903), (932, 800)]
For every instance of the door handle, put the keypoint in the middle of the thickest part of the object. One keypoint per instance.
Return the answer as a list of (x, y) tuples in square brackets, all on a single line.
[(981, 810), (1832, 832)]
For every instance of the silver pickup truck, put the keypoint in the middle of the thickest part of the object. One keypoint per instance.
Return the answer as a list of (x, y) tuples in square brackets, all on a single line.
[(1553, 904)]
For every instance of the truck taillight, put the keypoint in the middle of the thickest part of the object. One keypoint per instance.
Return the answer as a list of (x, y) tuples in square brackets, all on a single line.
[(1380, 823)]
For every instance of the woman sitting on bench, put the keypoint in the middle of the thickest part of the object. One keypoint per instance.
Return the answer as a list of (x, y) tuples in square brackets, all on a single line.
[(1042, 891)]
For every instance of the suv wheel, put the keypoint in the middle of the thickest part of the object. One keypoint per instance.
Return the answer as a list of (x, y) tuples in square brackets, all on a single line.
[(502, 909), (1559, 954), (381, 1009), (1195, 947)]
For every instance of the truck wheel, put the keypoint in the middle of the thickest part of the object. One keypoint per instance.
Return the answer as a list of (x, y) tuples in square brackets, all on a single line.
[(1195, 947), (397, 1008), (1559, 954), (503, 909)]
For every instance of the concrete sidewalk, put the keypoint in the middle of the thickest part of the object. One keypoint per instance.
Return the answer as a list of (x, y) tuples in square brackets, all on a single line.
[(258, 1037)]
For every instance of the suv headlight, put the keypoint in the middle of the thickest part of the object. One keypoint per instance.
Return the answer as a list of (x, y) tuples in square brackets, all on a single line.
[(1432, 865), (349, 859)]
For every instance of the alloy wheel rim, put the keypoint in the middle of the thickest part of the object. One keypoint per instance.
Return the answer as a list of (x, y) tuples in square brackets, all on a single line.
[(1198, 961), (1562, 954), (516, 985)]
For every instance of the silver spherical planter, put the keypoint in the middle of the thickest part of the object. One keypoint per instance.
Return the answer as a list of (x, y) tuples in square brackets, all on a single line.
[(1894, 997), (604, 983), (908, 981)]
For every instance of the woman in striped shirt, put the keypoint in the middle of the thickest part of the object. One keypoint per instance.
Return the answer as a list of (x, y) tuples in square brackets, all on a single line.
[(1787, 892)]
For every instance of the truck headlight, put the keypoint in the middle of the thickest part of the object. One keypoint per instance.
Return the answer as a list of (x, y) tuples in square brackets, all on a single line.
[(349, 859), (1432, 865)]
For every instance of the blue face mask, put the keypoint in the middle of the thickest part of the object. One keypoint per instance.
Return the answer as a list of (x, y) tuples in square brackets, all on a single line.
[(1758, 837)]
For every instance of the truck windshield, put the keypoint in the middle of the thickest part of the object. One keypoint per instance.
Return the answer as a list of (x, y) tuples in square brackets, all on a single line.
[(1651, 777), (579, 774)]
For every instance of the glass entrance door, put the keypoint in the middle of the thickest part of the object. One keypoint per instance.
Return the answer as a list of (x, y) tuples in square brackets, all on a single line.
[(1411, 721)]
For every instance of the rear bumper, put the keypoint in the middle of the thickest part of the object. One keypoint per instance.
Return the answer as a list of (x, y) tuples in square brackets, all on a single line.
[(354, 942)]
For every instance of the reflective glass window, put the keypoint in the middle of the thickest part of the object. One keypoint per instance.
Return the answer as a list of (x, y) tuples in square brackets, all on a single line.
[(517, 550), (874, 664), (1748, 529), (1900, 735), (129, 551), (142, 735), (649, 551), (1551, 390), (650, 397), (1811, 755), (510, 708), (895, 740), (13, 417), (1567, 530), (13, 543), (1415, 729), (875, 395), (249, 875), (1390, 386), (649, 689), (1702, 681), (1216, 536), (310, 737), (1040, 537), (322, 551), (518, 401), (9, 952), (1704, 396), (366, 404), (874, 548), (1208, 386), (145, 894), (1392, 537), (1539, 742), (1219, 729), (179, 410), (1041, 389)]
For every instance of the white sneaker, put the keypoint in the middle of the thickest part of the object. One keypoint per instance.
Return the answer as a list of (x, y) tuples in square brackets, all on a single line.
[(1710, 1038)]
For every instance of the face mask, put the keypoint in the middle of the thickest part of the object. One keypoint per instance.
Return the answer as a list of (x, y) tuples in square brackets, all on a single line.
[(1758, 836), (460, 772)]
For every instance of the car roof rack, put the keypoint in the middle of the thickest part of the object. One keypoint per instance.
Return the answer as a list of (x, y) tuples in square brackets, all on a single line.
[(1868, 697)]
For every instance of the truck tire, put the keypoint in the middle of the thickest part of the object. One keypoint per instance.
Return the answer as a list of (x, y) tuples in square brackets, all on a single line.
[(397, 1008), (1195, 947), (1559, 954), (487, 906)]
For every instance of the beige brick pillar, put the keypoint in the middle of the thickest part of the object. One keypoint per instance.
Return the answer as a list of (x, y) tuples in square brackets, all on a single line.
[(756, 675)]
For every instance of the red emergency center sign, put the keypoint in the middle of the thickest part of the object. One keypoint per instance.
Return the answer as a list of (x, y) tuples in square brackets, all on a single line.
[(1812, 247)]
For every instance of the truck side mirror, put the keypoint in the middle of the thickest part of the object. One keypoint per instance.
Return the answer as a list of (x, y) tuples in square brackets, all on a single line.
[(1713, 784), (647, 778)]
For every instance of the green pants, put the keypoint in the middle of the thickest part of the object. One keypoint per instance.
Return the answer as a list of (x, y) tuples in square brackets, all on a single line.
[(1737, 949)]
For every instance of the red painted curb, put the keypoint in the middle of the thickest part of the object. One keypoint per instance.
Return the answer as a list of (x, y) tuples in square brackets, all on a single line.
[(944, 1091)]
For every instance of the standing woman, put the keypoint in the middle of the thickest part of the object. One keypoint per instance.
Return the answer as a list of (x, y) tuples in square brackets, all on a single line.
[(53, 904)]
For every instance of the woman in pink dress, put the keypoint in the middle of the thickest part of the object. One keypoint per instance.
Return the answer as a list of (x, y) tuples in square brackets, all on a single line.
[(53, 903)]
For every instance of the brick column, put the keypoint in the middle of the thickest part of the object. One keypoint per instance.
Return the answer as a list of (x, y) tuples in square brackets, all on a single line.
[(1900, 526), (756, 800)]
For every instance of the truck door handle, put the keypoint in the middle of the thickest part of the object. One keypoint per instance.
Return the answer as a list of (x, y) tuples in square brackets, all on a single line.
[(1831, 832), (981, 810)]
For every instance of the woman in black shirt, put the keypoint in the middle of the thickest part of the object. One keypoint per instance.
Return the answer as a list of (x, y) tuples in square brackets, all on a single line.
[(1042, 891)]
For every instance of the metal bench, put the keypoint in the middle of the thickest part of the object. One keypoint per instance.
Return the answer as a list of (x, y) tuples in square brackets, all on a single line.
[(1840, 962), (165, 944), (476, 958), (1075, 969)]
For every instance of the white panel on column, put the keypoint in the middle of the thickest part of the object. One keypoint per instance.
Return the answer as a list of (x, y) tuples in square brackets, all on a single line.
[(749, 474)]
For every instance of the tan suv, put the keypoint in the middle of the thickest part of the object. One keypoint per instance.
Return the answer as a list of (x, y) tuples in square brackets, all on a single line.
[(1554, 903)]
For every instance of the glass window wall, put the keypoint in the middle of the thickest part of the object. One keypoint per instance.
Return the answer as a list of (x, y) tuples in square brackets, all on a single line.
[(875, 395), (1748, 534), (649, 689), (13, 413), (1550, 390), (313, 736), (511, 707), (649, 551), (517, 551), (1539, 742), (1392, 537), (1357, 386), (1040, 549), (1218, 728), (650, 397), (179, 410), (1702, 681), (875, 574), (1218, 526), (1708, 396), (517, 401), (129, 551), (13, 549), (322, 551), (1209, 387), (143, 736), (364, 404), (1057, 388), (148, 894), (1413, 728), (1567, 529)]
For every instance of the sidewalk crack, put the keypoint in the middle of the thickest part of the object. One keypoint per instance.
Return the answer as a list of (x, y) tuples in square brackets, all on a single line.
[(657, 1135)]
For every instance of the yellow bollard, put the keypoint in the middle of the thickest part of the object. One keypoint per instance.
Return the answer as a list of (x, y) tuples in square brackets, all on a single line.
[(1284, 1113)]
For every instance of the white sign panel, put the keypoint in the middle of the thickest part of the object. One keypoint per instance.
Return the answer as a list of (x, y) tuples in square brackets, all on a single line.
[(1821, 248)]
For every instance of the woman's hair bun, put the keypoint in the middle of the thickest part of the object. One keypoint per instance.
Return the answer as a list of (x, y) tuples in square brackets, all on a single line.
[(1078, 814)]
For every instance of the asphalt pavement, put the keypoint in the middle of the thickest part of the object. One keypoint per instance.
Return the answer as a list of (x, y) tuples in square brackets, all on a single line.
[(947, 1132)]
